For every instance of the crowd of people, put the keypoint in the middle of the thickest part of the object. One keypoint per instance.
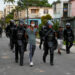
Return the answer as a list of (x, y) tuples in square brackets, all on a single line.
[(21, 35)]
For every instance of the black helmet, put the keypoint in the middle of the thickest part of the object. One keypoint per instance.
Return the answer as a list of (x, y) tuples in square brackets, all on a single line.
[(21, 22), (12, 22), (68, 24), (49, 22)]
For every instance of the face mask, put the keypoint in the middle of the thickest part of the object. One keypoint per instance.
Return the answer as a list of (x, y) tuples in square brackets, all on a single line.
[(32, 25), (50, 26)]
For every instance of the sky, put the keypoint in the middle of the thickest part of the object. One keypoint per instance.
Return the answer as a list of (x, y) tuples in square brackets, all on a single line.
[(2, 5)]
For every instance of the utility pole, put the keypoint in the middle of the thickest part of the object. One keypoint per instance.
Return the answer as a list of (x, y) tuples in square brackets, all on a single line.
[(27, 15), (9, 7)]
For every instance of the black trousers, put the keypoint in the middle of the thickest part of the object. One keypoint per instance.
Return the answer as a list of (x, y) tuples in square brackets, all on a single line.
[(12, 43), (19, 50), (41, 41), (51, 54), (68, 46), (25, 46)]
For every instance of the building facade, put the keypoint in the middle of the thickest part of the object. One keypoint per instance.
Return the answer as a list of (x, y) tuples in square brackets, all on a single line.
[(1, 14), (34, 14), (61, 8), (8, 9), (72, 8)]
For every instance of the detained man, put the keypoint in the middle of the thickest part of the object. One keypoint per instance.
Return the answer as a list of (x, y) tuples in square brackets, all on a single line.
[(31, 32)]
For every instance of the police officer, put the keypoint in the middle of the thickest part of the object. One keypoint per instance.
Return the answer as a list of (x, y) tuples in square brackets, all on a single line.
[(20, 38), (11, 33), (50, 43), (68, 37)]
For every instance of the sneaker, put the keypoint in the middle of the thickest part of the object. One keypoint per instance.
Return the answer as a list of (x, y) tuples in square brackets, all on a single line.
[(31, 64)]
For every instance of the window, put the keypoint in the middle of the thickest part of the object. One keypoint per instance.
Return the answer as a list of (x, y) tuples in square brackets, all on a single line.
[(12, 7), (65, 9), (33, 10), (54, 8), (45, 11)]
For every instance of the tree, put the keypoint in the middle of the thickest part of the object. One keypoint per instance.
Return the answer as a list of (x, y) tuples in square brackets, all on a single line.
[(9, 1), (55, 25), (9, 17), (25, 3), (44, 20)]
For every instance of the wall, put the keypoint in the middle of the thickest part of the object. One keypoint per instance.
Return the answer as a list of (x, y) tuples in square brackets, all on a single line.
[(40, 12), (1, 14), (73, 8)]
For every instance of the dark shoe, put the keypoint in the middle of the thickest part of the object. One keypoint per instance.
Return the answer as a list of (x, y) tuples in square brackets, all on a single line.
[(13, 51), (67, 52), (44, 59), (16, 61), (21, 64), (59, 52), (51, 64), (39, 46)]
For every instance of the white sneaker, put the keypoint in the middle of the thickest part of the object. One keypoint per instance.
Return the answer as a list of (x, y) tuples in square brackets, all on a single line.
[(31, 64)]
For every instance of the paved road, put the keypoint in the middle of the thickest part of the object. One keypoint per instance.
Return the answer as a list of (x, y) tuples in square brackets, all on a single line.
[(64, 64)]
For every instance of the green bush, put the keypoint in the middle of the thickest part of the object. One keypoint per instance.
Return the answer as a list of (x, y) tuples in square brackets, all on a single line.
[(44, 20), (56, 25)]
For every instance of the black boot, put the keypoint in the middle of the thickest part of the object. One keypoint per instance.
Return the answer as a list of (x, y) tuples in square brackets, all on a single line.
[(21, 59), (44, 59), (51, 60), (16, 61)]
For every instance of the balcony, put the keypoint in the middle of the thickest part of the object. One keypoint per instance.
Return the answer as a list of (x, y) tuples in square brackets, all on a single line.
[(34, 15)]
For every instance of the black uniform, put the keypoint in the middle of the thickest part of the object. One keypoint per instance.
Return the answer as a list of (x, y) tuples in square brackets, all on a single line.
[(42, 33), (20, 39), (7, 30), (50, 44), (12, 40), (68, 37)]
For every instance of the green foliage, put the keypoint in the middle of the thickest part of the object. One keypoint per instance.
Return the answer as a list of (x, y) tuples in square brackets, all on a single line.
[(56, 25), (0, 21), (40, 26), (9, 1), (44, 20), (8, 18), (25, 3)]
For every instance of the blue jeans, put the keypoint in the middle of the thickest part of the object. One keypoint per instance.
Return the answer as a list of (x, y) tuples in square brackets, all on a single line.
[(32, 50)]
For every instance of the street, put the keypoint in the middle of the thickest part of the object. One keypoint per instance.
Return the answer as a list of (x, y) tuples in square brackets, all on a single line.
[(64, 64)]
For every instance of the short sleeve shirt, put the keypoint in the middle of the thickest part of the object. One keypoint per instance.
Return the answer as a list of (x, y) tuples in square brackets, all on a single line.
[(31, 35)]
